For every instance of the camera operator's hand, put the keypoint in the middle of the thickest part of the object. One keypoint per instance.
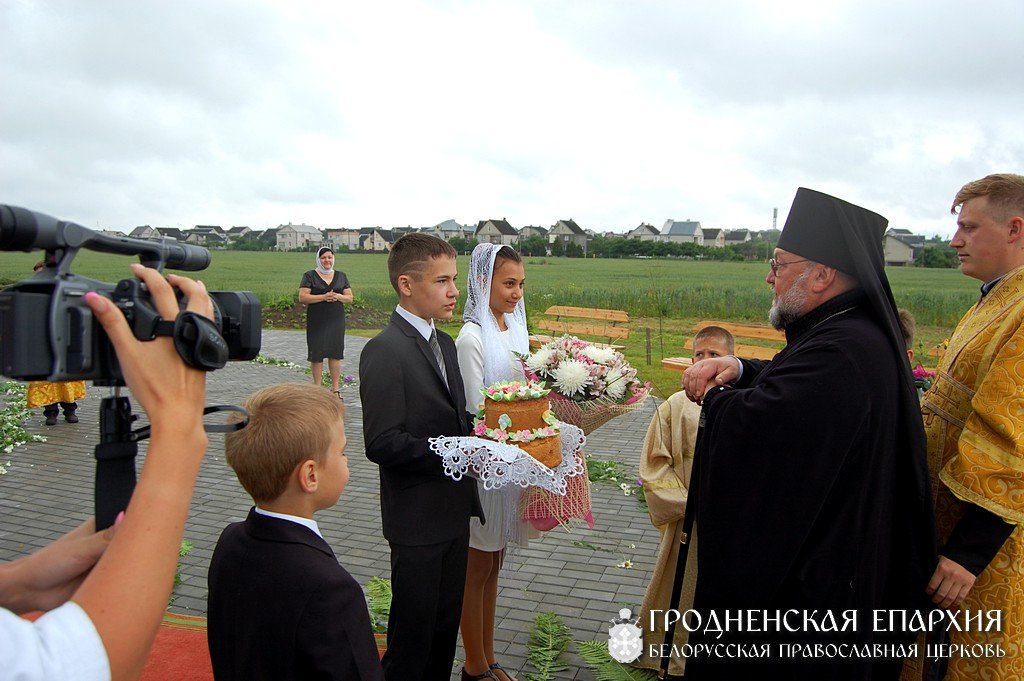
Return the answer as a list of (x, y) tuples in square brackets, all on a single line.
[(158, 378), (126, 594), (47, 578)]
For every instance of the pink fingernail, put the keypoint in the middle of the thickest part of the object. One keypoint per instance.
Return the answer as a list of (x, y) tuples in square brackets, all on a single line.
[(95, 299), (119, 518)]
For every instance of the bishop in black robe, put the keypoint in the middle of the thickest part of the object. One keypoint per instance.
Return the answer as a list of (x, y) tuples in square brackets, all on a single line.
[(812, 492)]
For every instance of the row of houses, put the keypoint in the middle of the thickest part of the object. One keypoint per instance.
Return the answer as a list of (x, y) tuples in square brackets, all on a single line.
[(691, 232), (901, 247), (202, 235), (297, 236), (500, 231)]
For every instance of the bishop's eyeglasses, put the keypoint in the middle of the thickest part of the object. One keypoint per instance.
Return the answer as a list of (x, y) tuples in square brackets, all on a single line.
[(776, 265)]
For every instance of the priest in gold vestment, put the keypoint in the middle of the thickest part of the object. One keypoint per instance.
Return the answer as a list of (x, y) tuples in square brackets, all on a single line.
[(974, 420)]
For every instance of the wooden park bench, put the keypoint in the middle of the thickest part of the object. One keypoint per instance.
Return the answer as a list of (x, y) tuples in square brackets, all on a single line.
[(739, 331), (589, 322)]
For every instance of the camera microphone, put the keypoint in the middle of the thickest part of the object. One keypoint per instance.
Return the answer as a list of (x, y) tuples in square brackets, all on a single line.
[(179, 256), (24, 230)]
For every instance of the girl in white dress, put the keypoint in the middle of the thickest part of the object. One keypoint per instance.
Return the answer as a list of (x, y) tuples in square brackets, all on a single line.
[(495, 328)]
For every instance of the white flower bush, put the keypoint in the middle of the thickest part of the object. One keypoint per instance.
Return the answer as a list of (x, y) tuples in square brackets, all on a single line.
[(12, 415)]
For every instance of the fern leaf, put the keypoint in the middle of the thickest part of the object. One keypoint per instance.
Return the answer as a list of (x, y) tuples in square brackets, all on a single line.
[(378, 592), (549, 639), (597, 658)]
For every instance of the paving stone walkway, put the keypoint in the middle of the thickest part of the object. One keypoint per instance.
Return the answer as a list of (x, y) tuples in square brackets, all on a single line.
[(47, 491)]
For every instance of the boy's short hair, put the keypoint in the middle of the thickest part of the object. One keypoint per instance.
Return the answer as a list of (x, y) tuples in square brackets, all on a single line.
[(719, 334), (1005, 192), (288, 423), (908, 326), (411, 255)]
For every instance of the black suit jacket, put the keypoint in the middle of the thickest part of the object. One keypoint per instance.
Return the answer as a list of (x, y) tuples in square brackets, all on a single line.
[(281, 607), (406, 402)]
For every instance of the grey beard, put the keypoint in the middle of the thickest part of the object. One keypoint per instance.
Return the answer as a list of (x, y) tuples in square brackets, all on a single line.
[(790, 306)]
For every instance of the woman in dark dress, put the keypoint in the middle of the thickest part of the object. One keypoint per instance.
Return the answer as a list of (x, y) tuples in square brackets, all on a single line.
[(325, 291)]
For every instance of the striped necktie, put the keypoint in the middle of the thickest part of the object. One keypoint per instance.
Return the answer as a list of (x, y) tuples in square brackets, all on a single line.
[(436, 347)]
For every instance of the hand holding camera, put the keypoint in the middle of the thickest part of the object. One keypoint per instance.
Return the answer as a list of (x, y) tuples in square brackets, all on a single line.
[(158, 379), (51, 306)]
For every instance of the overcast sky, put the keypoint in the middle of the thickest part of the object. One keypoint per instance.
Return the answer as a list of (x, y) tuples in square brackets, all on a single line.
[(348, 114)]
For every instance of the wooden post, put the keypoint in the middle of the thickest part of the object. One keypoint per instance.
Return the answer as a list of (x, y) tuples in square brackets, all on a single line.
[(648, 330)]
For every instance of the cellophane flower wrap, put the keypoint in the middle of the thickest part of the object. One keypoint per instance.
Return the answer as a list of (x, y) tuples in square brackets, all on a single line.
[(923, 378), (590, 384)]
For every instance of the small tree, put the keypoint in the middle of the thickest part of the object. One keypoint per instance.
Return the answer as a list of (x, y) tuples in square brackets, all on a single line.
[(533, 245), (938, 256)]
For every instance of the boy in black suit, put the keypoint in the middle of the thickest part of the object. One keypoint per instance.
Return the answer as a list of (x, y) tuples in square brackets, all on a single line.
[(411, 390), (280, 605)]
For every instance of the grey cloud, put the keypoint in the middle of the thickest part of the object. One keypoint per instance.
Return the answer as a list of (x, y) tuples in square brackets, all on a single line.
[(734, 51)]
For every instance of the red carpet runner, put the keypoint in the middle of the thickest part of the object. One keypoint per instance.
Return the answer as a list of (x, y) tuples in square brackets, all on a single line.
[(180, 652)]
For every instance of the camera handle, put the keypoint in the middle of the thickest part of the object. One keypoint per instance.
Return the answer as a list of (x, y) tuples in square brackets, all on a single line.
[(115, 460), (118, 447)]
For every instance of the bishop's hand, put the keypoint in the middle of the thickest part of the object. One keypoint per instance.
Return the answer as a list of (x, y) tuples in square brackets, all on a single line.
[(709, 373)]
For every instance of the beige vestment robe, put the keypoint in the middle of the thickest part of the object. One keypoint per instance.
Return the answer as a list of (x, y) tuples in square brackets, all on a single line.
[(665, 463)]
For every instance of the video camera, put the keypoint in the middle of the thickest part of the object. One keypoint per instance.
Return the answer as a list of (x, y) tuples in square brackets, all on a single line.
[(47, 332)]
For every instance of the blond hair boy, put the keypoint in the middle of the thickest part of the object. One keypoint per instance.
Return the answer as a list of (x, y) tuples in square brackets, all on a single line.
[(280, 605)]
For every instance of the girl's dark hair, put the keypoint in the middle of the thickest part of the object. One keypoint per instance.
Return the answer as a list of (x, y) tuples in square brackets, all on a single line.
[(507, 253)]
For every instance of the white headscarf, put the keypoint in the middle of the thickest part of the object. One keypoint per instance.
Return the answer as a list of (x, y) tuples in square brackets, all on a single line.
[(499, 362), (319, 252)]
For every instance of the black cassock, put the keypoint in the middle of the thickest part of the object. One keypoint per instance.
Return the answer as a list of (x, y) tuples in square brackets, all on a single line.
[(810, 499)]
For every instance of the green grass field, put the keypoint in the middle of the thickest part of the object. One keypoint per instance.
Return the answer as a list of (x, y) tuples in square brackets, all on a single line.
[(665, 296)]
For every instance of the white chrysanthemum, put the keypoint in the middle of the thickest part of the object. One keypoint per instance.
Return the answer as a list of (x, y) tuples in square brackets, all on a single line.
[(539, 360), (616, 387), (599, 355), (571, 377)]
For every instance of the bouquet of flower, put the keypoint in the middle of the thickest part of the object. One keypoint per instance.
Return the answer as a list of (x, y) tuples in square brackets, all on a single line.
[(923, 377), (590, 384)]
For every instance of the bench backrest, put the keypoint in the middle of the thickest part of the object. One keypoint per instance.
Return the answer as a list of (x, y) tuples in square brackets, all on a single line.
[(749, 331), (585, 321)]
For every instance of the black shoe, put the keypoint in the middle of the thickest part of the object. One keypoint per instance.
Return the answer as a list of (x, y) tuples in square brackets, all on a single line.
[(502, 669), (51, 419), (469, 677), (70, 417)]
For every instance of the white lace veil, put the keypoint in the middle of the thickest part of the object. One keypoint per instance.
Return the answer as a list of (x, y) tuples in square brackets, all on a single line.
[(499, 362)]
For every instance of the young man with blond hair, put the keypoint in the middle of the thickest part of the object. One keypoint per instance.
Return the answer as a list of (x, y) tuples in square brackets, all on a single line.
[(976, 434)]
